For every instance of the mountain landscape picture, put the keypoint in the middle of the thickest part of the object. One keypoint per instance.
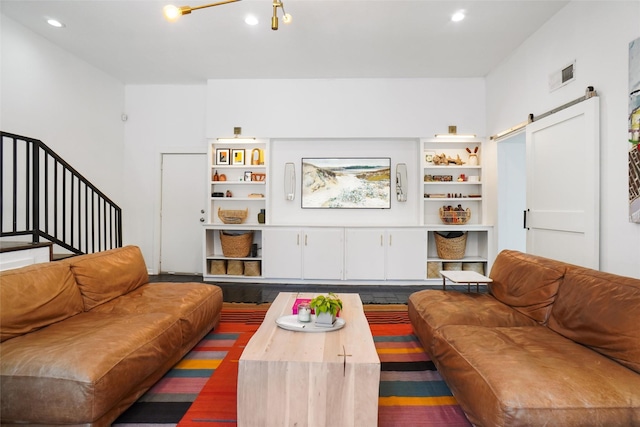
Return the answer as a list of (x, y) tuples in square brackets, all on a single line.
[(346, 183)]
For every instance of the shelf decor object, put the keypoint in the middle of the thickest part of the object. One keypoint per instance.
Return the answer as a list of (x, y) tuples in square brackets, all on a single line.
[(236, 245), (451, 247), (456, 216), (232, 216), (289, 181)]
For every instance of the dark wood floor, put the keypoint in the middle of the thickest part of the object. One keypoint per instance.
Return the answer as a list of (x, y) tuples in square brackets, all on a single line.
[(262, 293)]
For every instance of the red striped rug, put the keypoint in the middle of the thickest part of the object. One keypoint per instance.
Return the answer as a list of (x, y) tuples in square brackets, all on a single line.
[(201, 389)]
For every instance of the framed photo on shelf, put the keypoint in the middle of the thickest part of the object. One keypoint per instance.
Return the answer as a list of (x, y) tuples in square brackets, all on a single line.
[(237, 157), (247, 176), (428, 156), (222, 156)]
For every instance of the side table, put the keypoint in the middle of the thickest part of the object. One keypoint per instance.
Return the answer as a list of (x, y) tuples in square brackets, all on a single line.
[(467, 277)]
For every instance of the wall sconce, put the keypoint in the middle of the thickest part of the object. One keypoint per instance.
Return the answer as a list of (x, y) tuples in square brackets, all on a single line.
[(289, 181), (286, 18), (237, 131), (401, 182), (453, 133)]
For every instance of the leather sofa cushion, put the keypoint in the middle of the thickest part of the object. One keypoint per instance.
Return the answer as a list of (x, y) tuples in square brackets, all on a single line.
[(532, 376), (103, 276), (91, 362), (600, 310), (197, 305), (528, 283), (36, 296), (431, 309)]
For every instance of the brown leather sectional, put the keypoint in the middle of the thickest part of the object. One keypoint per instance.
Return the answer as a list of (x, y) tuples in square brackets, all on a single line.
[(551, 344), (83, 339)]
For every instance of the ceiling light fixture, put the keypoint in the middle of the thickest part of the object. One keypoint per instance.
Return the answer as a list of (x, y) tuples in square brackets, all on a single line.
[(286, 18), (458, 16), (172, 12), (453, 133), (55, 23)]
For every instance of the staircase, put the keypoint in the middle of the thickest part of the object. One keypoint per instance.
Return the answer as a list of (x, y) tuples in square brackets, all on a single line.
[(47, 200)]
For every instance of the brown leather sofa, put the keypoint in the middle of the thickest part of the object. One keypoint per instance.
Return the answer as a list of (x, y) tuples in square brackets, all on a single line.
[(550, 344), (83, 339)]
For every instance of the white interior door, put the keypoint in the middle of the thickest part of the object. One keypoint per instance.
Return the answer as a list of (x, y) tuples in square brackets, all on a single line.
[(563, 185), (512, 192), (182, 212)]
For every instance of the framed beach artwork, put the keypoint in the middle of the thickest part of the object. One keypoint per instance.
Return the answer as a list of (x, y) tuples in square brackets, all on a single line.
[(346, 183)]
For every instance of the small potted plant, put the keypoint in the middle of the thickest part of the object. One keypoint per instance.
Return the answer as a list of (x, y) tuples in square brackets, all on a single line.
[(326, 308)]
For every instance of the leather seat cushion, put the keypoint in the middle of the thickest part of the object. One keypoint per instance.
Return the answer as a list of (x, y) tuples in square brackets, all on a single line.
[(92, 360), (431, 309), (533, 376), (36, 296), (197, 305), (103, 276), (600, 310), (526, 282)]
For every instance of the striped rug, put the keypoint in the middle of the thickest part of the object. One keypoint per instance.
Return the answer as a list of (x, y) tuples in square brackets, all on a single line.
[(201, 389)]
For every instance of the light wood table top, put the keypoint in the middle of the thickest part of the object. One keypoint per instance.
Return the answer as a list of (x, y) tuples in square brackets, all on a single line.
[(288, 378), (468, 277)]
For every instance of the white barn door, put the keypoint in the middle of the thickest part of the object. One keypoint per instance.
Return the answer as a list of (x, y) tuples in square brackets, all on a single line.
[(563, 185)]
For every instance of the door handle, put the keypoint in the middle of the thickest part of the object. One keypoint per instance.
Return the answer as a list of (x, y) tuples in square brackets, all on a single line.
[(201, 219)]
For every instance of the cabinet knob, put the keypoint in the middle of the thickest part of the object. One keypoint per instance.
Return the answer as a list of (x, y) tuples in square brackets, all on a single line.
[(201, 219)]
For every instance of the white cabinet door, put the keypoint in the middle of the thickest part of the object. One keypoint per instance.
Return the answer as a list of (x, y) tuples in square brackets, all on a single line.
[(282, 253), (323, 253), (365, 254), (406, 254)]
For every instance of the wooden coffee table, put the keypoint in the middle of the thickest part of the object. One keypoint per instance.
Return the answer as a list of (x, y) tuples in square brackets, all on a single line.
[(290, 378)]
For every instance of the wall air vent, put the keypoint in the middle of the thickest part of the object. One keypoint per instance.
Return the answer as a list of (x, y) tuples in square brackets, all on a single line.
[(562, 77)]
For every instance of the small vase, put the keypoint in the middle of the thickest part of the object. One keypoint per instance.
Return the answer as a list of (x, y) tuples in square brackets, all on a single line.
[(325, 319)]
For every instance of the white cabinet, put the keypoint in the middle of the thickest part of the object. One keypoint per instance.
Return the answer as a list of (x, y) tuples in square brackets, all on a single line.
[(385, 254), (217, 263), (303, 253)]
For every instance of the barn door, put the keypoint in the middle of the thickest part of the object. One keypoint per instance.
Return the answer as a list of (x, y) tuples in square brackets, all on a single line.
[(563, 185)]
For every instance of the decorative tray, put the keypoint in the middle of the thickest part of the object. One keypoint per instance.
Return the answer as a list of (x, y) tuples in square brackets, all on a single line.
[(291, 323)]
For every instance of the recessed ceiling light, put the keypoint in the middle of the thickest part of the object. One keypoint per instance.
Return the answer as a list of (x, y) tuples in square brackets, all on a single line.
[(458, 16), (55, 23), (251, 20)]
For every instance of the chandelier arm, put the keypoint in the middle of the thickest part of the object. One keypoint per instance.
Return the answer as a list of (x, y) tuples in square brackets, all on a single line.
[(214, 4)]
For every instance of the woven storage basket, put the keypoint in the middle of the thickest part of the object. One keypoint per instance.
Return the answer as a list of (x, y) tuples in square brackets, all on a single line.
[(236, 245), (433, 269), (478, 267), (235, 268), (252, 268), (455, 217), (229, 216), (218, 266), (450, 248)]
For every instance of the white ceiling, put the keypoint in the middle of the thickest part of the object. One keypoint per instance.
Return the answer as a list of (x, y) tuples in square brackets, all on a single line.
[(131, 41)]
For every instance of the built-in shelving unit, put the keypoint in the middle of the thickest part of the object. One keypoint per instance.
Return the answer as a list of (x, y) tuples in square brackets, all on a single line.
[(452, 179), (336, 252)]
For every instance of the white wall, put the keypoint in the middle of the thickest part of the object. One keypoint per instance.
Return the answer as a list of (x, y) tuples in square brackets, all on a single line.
[(344, 108), (162, 119), (596, 35), (74, 108)]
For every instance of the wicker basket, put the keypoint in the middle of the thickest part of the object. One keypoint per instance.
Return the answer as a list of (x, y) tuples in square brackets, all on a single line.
[(236, 245), (450, 248), (252, 268), (455, 217), (229, 216)]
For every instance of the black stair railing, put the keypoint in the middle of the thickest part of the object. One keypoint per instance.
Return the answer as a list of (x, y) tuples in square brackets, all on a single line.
[(44, 197)]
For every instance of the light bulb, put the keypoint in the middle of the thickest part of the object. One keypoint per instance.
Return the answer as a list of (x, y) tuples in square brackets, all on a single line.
[(55, 23), (287, 18), (171, 12), (458, 16)]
